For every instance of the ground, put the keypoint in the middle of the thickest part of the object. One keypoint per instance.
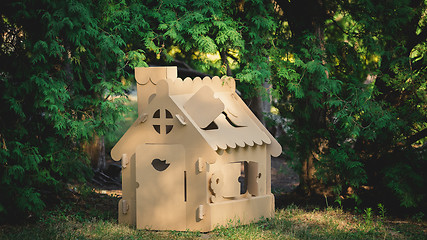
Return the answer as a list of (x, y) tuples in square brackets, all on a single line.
[(82, 213), (283, 178)]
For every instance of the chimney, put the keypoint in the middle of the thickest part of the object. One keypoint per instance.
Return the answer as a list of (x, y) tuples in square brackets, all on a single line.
[(147, 78)]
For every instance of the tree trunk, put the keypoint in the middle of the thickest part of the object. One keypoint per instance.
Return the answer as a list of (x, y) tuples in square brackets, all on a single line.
[(255, 104), (309, 183), (96, 153), (306, 177)]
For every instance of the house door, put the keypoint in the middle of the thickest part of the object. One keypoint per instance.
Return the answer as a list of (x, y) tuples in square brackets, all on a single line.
[(161, 191)]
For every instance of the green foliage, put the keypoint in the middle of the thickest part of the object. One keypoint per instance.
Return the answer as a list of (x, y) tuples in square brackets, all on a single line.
[(348, 80), (368, 216), (65, 73), (353, 94), (381, 211), (59, 75)]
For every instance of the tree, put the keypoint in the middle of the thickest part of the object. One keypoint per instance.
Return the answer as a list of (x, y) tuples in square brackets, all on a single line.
[(65, 74), (353, 76), (60, 69), (330, 66), (348, 79)]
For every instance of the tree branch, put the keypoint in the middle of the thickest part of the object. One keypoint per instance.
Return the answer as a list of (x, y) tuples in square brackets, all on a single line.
[(411, 27), (417, 136), (417, 39)]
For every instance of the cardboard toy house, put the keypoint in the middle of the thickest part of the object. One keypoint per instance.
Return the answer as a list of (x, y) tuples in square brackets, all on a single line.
[(195, 158)]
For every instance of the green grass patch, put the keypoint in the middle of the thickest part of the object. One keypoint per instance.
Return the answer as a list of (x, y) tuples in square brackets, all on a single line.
[(94, 216)]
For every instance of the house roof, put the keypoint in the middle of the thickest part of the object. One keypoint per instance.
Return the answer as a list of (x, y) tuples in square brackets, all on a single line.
[(219, 114), (212, 106)]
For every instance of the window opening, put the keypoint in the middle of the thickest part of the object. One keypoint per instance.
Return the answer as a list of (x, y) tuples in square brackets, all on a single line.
[(163, 121), (243, 180), (230, 121), (185, 186), (159, 165), (168, 128), (168, 114), (211, 126), (157, 128)]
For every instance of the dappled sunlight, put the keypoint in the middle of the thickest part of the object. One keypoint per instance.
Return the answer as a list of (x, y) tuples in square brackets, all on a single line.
[(333, 222)]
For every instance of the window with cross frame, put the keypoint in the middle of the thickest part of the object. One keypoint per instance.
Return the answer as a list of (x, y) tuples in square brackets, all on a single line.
[(163, 121)]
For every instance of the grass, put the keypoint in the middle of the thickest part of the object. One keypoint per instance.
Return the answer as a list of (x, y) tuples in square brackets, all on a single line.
[(93, 216)]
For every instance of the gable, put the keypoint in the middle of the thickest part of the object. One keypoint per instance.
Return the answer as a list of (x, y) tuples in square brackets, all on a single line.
[(161, 122), (210, 105)]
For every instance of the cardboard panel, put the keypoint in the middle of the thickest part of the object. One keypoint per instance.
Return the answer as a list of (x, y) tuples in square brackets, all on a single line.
[(147, 79), (161, 195), (203, 107), (253, 177), (231, 180), (274, 147), (229, 136), (128, 188), (216, 185), (242, 211), (144, 75)]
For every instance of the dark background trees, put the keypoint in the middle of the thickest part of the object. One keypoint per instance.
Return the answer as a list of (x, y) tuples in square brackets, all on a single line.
[(360, 96), (347, 81), (59, 70)]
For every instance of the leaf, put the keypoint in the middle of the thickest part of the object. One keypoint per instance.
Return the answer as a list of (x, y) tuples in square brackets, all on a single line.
[(296, 89)]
